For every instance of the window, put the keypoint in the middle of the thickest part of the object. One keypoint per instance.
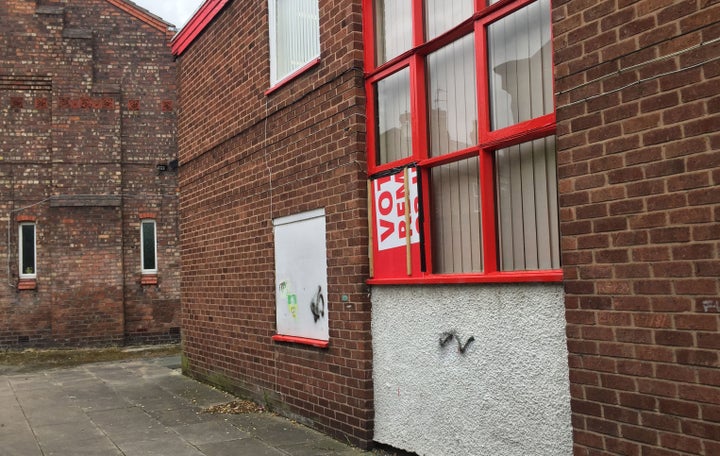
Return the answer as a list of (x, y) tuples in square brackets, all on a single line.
[(27, 254), (294, 36), (392, 97), (461, 141), (148, 241)]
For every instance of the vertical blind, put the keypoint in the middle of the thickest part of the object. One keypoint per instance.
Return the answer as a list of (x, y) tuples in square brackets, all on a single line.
[(297, 35), (455, 208), (393, 29), (520, 65), (526, 182), (393, 126), (452, 97), (442, 15), (521, 89)]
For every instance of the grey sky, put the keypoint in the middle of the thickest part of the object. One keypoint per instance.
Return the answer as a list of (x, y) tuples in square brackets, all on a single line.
[(176, 12)]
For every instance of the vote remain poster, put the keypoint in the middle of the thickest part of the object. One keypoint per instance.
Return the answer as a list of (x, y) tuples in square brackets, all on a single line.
[(396, 243)]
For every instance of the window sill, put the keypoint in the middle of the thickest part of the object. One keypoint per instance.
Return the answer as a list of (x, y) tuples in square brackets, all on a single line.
[(550, 276), (149, 279), (301, 340), (287, 79), (27, 284)]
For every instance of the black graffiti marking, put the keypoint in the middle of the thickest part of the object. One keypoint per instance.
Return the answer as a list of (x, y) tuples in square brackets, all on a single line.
[(447, 336), (317, 305), (461, 347)]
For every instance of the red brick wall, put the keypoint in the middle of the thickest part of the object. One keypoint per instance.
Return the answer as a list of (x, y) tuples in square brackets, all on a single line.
[(246, 159), (639, 161), (87, 107)]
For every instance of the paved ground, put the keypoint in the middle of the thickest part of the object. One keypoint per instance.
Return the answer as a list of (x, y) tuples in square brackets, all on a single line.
[(142, 407)]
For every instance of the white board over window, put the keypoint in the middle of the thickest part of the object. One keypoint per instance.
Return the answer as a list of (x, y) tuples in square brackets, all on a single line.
[(301, 275)]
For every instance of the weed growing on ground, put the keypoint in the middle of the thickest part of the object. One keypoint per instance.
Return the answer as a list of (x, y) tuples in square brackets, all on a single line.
[(32, 360)]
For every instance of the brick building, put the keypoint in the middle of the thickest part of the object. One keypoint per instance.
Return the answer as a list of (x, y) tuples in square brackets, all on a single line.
[(253, 153), (87, 113), (639, 165), (457, 228)]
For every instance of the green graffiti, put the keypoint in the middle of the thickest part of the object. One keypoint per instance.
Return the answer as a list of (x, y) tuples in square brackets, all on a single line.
[(292, 304)]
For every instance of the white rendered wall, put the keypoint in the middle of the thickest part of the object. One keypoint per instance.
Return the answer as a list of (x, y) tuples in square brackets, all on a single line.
[(508, 394)]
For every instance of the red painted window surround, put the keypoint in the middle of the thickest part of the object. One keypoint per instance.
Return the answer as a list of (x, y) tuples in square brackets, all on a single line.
[(543, 276), (301, 340), (201, 19), (488, 140), (287, 79)]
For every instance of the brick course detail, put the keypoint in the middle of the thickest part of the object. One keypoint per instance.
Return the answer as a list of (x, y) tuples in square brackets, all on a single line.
[(639, 167), (81, 165), (247, 158)]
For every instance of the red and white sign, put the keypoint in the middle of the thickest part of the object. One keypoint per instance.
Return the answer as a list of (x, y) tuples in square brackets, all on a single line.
[(390, 210)]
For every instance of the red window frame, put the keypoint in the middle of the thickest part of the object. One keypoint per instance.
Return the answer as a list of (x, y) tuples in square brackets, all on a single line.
[(488, 140)]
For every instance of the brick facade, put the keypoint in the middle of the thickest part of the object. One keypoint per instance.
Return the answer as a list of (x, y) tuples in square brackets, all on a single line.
[(87, 98), (639, 164), (248, 158), (637, 129)]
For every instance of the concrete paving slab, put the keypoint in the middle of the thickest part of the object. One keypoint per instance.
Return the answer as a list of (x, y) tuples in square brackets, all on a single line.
[(187, 389), (243, 447), (49, 435), (42, 415), (93, 397), (89, 448), (68, 376), (26, 384), (285, 433), (87, 439), (114, 377), (147, 396), (16, 436), (320, 450), (20, 446), (320, 446), (158, 447), (139, 408), (179, 416), (201, 395), (11, 415), (5, 388), (199, 434), (129, 423), (268, 428)]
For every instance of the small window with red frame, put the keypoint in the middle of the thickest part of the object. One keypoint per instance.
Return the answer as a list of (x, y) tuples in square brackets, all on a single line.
[(294, 31)]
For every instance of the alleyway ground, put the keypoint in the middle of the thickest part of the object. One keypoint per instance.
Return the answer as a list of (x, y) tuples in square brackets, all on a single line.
[(141, 406)]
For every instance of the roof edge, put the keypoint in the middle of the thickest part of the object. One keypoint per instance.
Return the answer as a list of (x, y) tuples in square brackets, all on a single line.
[(196, 25), (144, 15)]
